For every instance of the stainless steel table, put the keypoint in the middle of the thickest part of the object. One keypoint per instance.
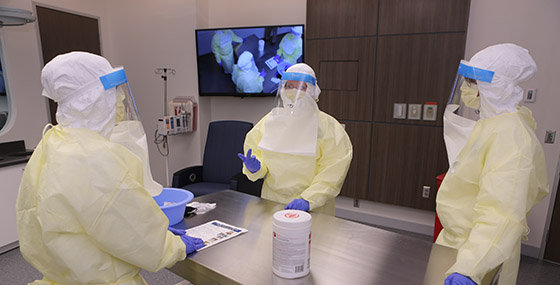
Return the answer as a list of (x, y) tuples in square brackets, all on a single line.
[(342, 252)]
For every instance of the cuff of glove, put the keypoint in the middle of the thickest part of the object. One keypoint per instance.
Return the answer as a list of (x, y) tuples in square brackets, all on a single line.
[(257, 175)]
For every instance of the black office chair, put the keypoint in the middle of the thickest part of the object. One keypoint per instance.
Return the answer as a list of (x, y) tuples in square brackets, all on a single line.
[(3, 119), (221, 167)]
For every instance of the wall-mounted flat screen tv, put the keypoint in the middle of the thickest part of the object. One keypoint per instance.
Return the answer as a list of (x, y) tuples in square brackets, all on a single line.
[(246, 61)]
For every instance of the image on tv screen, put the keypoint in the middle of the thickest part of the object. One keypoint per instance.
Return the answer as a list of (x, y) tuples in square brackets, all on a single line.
[(246, 61)]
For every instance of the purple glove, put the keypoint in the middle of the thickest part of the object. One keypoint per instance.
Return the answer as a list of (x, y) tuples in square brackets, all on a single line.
[(176, 232), (298, 204), (192, 243), (263, 73), (458, 279), (251, 162), (277, 58)]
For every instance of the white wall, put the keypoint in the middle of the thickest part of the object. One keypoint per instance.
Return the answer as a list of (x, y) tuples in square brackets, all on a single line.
[(148, 36), (534, 25)]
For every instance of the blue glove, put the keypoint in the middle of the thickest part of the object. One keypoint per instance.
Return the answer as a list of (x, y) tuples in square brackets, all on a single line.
[(263, 73), (298, 204), (251, 162), (192, 243), (220, 63), (177, 232), (244, 39), (458, 279), (277, 58)]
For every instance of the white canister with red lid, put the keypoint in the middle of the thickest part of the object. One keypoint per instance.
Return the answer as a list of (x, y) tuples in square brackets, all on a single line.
[(291, 243)]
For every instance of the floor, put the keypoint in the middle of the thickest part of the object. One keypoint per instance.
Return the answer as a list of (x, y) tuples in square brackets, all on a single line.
[(531, 270), (15, 270)]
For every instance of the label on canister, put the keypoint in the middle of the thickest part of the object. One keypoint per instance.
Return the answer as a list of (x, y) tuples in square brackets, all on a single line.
[(291, 243)]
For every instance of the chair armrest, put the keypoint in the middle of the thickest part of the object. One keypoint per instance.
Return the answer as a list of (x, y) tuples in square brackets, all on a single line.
[(243, 184), (187, 176)]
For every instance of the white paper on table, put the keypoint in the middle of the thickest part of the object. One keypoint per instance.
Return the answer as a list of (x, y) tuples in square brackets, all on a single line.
[(215, 232), (271, 63)]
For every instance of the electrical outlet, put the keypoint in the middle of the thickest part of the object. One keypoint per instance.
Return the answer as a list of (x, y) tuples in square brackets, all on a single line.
[(414, 111), (356, 203), (426, 192)]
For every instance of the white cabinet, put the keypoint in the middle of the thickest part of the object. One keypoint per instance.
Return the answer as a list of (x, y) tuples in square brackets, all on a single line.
[(10, 177)]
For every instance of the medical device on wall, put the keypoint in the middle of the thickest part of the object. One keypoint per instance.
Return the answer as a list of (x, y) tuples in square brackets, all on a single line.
[(182, 117)]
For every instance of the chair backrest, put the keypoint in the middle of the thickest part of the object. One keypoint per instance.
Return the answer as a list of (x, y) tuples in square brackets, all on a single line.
[(225, 140)]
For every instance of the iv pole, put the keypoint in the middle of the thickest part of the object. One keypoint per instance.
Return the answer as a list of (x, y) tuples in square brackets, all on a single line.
[(163, 71)]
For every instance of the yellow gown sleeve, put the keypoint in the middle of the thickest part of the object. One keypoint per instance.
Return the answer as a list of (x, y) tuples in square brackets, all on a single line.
[(332, 166), (280, 50), (235, 38), (252, 140), (216, 50), (132, 227)]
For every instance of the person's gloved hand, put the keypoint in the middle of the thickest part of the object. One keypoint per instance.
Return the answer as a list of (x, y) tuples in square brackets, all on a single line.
[(263, 73), (220, 63), (277, 58), (177, 232), (244, 39), (192, 243), (458, 279), (298, 204), (251, 162)]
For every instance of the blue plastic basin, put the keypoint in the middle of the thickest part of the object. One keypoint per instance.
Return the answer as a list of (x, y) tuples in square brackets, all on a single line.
[(174, 212)]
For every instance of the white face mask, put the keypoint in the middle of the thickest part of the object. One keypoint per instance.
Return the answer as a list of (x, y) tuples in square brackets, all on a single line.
[(469, 95), (290, 96), (131, 135)]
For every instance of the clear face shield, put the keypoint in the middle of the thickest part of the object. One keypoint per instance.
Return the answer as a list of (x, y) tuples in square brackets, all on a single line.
[(291, 127), (128, 130), (297, 94), (465, 99), (462, 110)]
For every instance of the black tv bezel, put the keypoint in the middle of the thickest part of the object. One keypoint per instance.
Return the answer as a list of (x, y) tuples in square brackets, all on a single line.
[(235, 94)]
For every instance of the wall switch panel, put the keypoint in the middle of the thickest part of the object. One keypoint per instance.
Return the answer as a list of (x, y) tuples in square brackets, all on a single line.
[(530, 95), (426, 192), (430, 112), (549, 137), (399, 111), (414, 111)]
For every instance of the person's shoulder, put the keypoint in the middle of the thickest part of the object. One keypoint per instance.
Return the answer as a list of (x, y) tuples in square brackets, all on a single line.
[(262, 120), (328, 118)]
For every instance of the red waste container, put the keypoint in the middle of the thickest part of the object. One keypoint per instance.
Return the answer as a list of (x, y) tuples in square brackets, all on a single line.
[(437, 225)]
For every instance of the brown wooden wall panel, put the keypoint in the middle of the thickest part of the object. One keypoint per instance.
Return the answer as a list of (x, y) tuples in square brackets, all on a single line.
[(416, 69), (339, 75), (422, 16), (356, 183), (341, 18), (343, 104), (404, 159), (63, 32)]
